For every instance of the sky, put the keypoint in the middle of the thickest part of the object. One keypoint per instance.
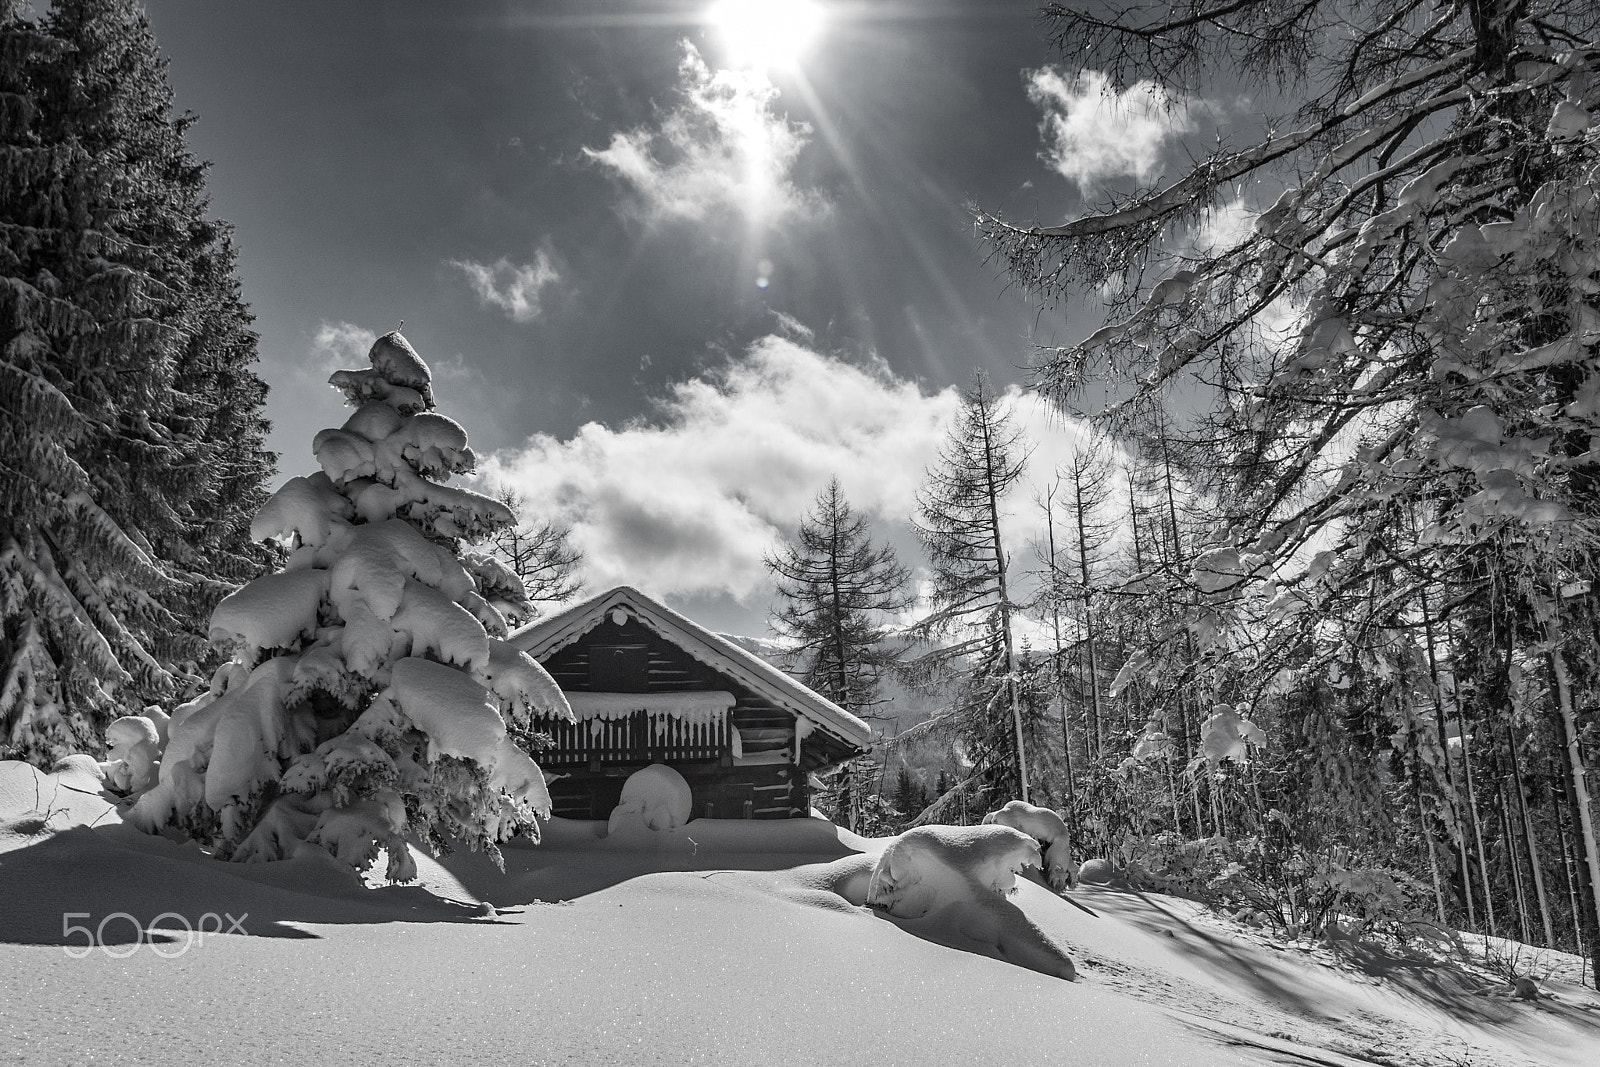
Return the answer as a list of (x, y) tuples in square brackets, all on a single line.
[(670, 278)]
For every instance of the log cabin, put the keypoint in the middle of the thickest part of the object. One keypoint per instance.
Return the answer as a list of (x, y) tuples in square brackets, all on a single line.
[(647, 685)]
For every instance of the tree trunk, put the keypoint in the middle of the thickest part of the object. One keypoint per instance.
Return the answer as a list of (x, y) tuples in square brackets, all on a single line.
[(1529, 839), (1005, 611), (1578, 800), (1453, 797)]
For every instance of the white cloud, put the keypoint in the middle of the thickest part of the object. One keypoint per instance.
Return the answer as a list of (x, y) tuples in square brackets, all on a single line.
[(722, 148), (339, 346), (513, 288), (687, 503), (1092, 132)]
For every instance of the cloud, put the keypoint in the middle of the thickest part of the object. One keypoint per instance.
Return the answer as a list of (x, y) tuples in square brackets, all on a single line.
[(722, 148), (686, 504), (511, 287), (339, 346), (1092, 132)]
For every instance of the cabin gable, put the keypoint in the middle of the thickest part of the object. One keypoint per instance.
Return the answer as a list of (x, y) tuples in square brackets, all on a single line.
[(641, 695)]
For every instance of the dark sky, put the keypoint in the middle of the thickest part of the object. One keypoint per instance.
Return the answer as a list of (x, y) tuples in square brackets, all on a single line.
[(572, 206)]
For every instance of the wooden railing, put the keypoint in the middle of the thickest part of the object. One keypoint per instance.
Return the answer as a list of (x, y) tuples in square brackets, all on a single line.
[(638, 737)]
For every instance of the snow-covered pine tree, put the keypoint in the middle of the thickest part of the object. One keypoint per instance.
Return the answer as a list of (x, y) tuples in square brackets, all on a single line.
[(370, 692), (130, 437), (971, 618)]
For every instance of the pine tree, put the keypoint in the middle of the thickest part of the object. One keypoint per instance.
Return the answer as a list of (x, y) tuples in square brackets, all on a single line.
[(972, 614), (130, 442), (370, 694), (835, 588)]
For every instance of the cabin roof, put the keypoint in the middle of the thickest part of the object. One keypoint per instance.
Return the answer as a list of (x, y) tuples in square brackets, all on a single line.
[(545, 636)]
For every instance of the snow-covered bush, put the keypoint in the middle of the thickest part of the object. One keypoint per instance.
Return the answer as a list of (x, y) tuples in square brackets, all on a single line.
[(369, 692)]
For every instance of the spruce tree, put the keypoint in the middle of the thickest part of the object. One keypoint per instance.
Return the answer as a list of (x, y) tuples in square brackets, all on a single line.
[(972, 613), (130, 436), (835, 588), (370, 695)]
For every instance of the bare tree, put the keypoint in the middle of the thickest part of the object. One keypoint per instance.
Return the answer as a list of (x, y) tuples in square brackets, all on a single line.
[(540, 553), (971, 616)]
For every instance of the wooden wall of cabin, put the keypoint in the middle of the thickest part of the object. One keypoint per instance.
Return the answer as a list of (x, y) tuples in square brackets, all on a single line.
[(774, 791)]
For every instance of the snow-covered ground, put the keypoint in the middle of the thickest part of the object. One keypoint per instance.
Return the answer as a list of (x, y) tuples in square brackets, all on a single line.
[(714, 943)]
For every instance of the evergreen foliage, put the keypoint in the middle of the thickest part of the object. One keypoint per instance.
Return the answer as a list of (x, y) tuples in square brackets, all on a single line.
[(370, 696), (131, 441), (835, 588)]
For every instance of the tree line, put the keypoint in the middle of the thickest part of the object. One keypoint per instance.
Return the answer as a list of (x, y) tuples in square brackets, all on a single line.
[(1341, 660)]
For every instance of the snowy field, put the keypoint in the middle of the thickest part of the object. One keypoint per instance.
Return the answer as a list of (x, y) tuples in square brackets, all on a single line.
[(690, 946)]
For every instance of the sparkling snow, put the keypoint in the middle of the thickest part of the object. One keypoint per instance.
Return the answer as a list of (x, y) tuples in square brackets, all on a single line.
[(722, 942)]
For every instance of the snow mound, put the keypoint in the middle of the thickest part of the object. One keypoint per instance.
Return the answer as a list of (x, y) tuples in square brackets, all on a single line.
[(303, 507), (1225, 733), (949, 884), (393, 357), (655, 798), (1047, 828)]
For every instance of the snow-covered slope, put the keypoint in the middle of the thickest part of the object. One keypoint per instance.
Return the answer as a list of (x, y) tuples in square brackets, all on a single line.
[(716, 943)]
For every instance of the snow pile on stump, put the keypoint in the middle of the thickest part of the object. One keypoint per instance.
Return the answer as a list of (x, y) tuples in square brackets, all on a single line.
[(370, 692), (1050, 831)]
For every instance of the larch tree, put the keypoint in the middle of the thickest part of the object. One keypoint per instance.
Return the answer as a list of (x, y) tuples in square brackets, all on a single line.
[(131, 441), (370, 695), (837, 592), (971, 616), (1426, 426)]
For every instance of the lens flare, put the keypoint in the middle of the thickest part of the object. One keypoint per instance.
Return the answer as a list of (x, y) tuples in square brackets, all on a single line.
[(766, 33)]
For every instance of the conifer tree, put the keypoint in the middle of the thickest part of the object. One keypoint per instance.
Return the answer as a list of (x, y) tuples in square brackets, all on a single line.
[(130, 435), (1425, 432), (835, 589), (370, 694), (972, 613)]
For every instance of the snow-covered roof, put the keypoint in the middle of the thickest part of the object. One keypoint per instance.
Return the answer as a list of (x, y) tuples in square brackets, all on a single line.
[(539, 639)]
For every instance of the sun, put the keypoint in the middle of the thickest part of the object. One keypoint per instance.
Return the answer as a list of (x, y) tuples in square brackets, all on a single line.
[(766, 33)]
